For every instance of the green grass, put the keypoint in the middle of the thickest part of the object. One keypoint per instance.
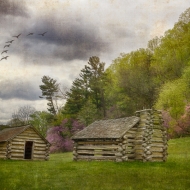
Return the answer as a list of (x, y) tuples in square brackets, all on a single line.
[(61, 173)]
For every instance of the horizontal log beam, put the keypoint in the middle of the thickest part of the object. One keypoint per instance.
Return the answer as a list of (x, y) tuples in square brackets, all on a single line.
[(157, 155), (4, 149), (27, 137), (3, 145), (2, 153), (17, 147), (39, 148), (18, 142), (97, 142), (40, 145), (21, 155), (96, 152), (96, 157), (17, 158), (39, 156), (157, 149), (97, 147), (39, 152), (17, 151)]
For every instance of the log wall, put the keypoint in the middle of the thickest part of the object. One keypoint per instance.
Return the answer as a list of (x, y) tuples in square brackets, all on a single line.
[(153, 136), (3, 150), (16, 147), (98, 149), (129, 144)]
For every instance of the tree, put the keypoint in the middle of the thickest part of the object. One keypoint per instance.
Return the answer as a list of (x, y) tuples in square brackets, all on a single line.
[(171, 98), (96, 83), (50, 90), (22, 116), (171, 55), (174, 95), (88, 113), (41, 120), (88, 86), (15, 122), (132, 86), (76, 97)]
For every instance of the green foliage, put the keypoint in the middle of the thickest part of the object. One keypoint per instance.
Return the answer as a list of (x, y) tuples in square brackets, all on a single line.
[(132, 86), (175, 95), (88, 113), (58, 118), (60, 172), (172, 54), (41, 120), (172, 98)]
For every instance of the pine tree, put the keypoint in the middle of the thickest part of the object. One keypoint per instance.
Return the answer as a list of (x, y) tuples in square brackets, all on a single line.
[(89, 86), (49, 89)]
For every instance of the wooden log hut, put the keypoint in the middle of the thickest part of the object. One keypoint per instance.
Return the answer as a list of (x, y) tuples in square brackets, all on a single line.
[(23, 143), (141, 137)]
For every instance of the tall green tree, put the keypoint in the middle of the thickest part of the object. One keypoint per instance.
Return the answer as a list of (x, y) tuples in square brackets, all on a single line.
[(133, 81), (50, 89), (97, 82), (88, 86), (76, 97)]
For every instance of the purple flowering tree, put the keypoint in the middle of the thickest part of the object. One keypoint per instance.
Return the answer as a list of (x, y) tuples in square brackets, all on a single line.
[(60, 136)]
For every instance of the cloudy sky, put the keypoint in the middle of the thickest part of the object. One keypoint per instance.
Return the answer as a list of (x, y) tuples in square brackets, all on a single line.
[(76, 30)]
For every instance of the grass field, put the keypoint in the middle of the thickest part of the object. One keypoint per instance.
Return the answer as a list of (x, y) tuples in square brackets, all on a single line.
[(61, 173)]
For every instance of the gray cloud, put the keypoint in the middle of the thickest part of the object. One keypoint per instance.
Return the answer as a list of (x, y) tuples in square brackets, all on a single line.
[(19, 89), (13, 8), (73, 40), (68, 38)]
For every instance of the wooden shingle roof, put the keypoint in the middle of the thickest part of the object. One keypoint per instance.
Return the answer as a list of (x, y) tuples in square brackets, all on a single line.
[(9, 133), (112, 128)]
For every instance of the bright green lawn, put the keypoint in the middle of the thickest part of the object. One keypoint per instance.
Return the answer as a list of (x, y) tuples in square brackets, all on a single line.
[(61, 173)]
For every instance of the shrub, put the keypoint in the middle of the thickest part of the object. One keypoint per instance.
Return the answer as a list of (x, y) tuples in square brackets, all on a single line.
[(60, 136)]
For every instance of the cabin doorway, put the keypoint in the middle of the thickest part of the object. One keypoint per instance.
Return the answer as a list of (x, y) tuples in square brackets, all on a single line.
[(28, 150)]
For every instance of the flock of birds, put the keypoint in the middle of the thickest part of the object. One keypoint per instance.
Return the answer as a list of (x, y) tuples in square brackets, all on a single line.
[(8, 43)]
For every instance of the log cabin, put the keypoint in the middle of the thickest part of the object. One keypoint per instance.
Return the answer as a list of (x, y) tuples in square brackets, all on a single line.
[(23, 143), (141, 137)]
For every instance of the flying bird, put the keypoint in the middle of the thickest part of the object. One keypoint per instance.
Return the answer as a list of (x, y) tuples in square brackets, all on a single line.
[(10, 41), (17, 36), (6, 46), (5, 51), (4, 58), (30, 34), (42, 34)]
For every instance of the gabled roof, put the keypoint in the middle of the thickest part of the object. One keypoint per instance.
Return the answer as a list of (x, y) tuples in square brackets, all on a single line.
[(9, 133), (112, 128)]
